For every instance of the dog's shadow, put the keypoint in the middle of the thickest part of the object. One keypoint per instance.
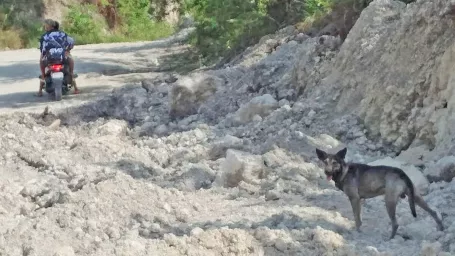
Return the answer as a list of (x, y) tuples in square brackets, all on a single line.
[(285, 220)]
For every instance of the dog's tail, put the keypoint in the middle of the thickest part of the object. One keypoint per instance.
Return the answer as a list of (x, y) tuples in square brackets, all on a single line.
[(411, 195)]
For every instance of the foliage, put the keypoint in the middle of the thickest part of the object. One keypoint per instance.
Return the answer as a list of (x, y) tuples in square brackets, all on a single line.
[(16, 31), (223, 28), (132, 22), (316, 6), (89, 21), (222, 25), (81, 23)]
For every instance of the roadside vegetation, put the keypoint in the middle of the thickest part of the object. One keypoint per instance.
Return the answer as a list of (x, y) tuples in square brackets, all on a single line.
[(224, 28), (89, 21), (115, 21)]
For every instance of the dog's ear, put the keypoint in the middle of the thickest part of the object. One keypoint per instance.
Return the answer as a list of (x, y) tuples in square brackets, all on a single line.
[(321, 154), (342, 153)]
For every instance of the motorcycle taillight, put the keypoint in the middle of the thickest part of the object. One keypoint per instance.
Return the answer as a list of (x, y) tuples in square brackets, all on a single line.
[(56, 67)]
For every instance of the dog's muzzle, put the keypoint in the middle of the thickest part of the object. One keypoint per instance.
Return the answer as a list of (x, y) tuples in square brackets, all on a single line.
[(329, 176)]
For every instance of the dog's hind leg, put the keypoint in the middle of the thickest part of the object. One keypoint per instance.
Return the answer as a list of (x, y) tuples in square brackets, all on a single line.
[(391, 200), (422, 204)]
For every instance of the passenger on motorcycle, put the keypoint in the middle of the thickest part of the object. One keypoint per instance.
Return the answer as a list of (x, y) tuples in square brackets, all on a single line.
[(55, 46)]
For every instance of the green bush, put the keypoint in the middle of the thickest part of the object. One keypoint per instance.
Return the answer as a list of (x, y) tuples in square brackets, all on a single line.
[(222, 25), (85, 23), (81, 22), (17, 31), (137, 22), (316, 6), (224, 28)]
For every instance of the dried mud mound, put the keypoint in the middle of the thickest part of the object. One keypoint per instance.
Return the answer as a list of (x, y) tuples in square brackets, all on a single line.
[(99, 188), (94, 189)]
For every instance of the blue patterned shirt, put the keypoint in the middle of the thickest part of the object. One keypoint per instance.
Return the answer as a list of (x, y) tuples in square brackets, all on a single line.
[(55, 43)]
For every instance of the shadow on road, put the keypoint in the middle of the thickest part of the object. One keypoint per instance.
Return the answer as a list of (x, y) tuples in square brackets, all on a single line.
[(24, 70), (20, 100), (129, 49)]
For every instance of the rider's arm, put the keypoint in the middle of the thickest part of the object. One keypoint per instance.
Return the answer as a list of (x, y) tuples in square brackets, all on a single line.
[(70, 41), (41, 44)]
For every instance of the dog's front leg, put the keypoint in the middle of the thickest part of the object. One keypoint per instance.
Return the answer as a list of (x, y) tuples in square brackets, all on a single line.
[(356, 209)]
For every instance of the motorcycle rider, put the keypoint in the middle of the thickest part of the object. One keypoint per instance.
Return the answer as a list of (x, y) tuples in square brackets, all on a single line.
[(68, 56), (55, 44)]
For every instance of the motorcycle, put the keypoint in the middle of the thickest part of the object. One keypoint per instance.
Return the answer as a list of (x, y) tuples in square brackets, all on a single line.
[(56, 79)]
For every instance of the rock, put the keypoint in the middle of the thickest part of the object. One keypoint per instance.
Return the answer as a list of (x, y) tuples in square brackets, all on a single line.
[(196, 177), (442, 170), (257, 119), (260, 105), (148, 85), (219, 147), (301, 37), (430, 249), (416, 155), (171, 78), (65, 251), (240, 166), (114, 127), (281, 245), (405, 99), (421, 183), (155, 228), (189, 92), (54, 125), (271, 45), (272, 195), (161, 129), (283, 102), (311, 114), (196, 231)]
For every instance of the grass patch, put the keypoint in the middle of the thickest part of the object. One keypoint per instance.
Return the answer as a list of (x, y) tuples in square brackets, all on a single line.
[(224, 28), (88, 26), (10, 39), (87, 23), (18, 38), (15, 31)]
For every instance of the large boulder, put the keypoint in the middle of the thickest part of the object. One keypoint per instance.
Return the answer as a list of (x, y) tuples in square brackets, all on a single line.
[(219, 147), (258, 106), (240, 167), (395, 70), (189, 92), (113, 127), (442, 170)]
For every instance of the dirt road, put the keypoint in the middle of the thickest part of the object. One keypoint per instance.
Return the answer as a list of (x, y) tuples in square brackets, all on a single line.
[(100, 68)]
